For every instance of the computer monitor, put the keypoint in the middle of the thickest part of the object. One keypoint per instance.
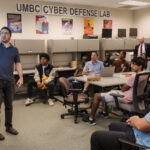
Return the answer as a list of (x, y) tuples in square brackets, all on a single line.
[(133, 32), (121, 32), (106, 33)]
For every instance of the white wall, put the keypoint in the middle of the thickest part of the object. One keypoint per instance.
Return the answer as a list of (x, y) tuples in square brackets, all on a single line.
[(120, 18), (142, 22)]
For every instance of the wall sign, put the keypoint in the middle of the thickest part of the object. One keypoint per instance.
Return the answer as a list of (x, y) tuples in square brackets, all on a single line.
[(61, 10)]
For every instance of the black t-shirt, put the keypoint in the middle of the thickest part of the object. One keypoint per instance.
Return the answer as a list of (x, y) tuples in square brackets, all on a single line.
[(107, 63)]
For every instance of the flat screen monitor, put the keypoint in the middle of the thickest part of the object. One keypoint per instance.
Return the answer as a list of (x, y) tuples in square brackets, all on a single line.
[(106, 33), (133, 32), (121, 32)]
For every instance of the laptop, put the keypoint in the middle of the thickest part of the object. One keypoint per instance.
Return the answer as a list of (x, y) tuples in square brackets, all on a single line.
[(107, 71)]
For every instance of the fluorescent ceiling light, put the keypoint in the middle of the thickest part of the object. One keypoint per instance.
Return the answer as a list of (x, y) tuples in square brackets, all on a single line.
[(134, 3)]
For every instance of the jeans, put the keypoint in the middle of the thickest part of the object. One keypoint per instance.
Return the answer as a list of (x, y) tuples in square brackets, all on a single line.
[(50, 88), (7, 92), (70, 79), (107, 140)]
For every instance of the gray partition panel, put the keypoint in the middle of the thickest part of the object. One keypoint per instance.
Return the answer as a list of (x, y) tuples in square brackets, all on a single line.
[(29, 61), (30, 46), (112, 44), (147, 40), (88, 45), (57, 46), (130, 43), (62, 59)]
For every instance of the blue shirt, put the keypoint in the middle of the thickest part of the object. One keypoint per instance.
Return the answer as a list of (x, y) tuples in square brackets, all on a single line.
[(8, 56), (143, 138), (96, 67)]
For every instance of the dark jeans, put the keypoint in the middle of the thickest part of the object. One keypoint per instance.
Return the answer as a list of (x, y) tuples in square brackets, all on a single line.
[(70, 79), (107, 140), (7, 91), (50, 88)]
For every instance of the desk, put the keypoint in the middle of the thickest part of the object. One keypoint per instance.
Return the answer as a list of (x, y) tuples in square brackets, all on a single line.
[(116, 80), (64, 69), (31, 71), (25, 72)]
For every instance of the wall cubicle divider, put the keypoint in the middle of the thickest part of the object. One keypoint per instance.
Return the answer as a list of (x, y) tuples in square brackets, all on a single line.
[(62, 52), (29, 51)]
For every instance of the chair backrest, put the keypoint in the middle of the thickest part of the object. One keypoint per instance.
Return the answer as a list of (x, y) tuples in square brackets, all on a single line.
[(140, 94), (65, 86)]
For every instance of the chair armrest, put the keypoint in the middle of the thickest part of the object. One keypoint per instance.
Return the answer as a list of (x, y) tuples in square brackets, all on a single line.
[(117, 95), (132, 144), (75, 90), (116, 98)]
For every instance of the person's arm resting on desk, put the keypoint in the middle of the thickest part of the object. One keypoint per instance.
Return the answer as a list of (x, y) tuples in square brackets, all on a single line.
[(19, 69)]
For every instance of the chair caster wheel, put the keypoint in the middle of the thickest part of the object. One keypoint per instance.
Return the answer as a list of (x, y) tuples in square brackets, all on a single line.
[(62, 117)]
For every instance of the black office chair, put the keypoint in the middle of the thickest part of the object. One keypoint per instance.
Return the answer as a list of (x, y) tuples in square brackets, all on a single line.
[(140, 103), (73, 100), (133, 146)]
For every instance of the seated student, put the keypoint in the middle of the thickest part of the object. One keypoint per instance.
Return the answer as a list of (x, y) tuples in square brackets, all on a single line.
[(79, 69), (136, 130), (43, 71), (121, 64), (92, 68), (127, 89), (108, 62)]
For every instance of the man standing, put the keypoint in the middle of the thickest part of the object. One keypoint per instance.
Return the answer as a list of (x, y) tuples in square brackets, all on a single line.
[(141, 50), (8, 56)]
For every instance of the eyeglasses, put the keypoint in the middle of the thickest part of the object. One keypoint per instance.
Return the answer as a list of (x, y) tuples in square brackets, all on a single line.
[(6, 33)]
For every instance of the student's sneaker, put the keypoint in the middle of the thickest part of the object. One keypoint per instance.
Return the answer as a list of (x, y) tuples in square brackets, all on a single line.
[(29, 101), (103, 114), (89, 121), (50, 102), (2, 137)]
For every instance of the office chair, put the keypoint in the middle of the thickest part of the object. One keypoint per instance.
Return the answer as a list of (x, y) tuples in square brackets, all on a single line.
[(140, 103), (133, 146), (74, 99)]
